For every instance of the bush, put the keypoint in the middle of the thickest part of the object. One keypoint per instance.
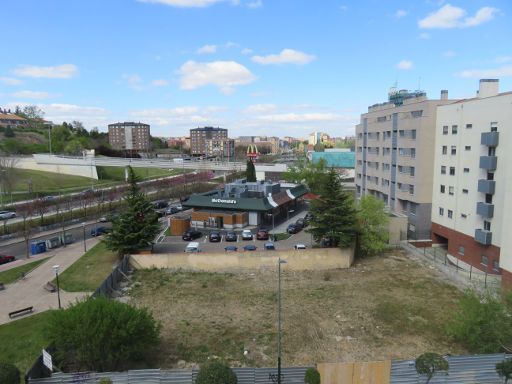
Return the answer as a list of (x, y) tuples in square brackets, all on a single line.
[(216, 373), (9, 374), (105, 381), (504, 369), (101, 335), (429, 363), (312, 376)]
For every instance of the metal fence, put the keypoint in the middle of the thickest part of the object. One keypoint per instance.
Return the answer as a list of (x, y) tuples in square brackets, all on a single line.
[(111, 284), (293, 375)]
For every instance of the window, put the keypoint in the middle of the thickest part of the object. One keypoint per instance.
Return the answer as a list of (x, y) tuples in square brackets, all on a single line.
[(381, 119), (450, 191), (416, 114), (461, 250), (411, 171), (484, 260), (465, 191), (443, 188), (413, 134), (454, 129), (469, 126), (443, 170), (494, 126), (445, 129), (445, 149), (466, 170), (441, 211), (454, 149), (413, 152), (412, 208), (487, 225), (401, 133), (452, 171), (411, 189), (412, 228), (467, 148), (450, 214), (496, 265)]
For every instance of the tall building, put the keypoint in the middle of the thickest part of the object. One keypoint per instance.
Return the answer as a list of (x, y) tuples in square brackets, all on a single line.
[(395, 153), (223, 149), (199, 139), (129, 136), (472, 205)]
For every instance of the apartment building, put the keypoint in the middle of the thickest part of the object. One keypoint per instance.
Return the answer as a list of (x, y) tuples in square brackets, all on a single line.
[(199, 139), (8, 119), (395, 153), (472, 205), (223, 149), (130, 136)]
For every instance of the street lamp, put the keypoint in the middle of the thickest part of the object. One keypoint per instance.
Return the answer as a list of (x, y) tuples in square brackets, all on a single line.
[(85, 245), (280, 261), (56, 269)]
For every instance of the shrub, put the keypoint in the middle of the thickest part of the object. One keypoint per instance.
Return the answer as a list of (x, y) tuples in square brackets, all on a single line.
[(504, 369), (9, 374), (105, 380), (429, 363), (312, 376), (216, 373)]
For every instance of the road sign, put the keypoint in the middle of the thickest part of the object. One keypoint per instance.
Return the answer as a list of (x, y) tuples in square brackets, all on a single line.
[(47, 360)]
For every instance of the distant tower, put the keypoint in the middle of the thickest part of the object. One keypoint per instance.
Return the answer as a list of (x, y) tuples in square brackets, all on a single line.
[(252, 152)]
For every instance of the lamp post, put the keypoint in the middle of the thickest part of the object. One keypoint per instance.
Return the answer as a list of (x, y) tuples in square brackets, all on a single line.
[(280, 261), (56, 269), (85, 245), (2, 175)]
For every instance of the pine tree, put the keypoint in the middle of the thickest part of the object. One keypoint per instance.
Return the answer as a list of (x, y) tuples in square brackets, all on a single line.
[(250, 171), (137, 226), (334, 214)]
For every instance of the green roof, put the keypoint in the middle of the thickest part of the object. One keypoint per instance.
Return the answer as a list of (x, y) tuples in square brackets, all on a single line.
[(336, 159)]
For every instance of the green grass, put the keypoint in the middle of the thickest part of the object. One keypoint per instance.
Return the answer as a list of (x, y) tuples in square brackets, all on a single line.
[(88, 272), (117, 173), (13, 274), (281, 236), (21, 341), (48, 181)]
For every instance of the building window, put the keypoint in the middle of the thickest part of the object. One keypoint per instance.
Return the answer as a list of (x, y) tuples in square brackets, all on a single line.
[(484, 260), (487, 225), (454, 129), (454, 149), (466, 170), (413, 152), (443, 188), (465, 191), (469, 126), (441, 211), (461, 250), (467, 147), (445, 129), (450, 191), (412, 209), (496, 265), (450, 214), (411, 189), (445, 149), (452, 171), (416, 113), (494, 126), (443, 170), (412, 228)]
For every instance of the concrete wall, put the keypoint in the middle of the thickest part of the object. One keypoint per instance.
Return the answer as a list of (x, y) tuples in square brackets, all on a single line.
[(396, 226), (67, 166), (310, 259)]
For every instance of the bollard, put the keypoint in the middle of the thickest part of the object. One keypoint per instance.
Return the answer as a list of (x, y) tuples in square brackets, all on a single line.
[(445, 259), (470, 270)]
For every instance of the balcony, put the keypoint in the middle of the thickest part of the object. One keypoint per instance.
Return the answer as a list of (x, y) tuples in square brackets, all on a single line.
[(488, 163), (483, 237), (491, 139), (485, 210), (486, 186)]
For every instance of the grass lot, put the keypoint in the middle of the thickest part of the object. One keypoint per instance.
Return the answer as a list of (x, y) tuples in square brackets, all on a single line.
[(48, 181), (21, 341), (281, 236), (13, 274), (117, 173), (384, 307), (88, 272)]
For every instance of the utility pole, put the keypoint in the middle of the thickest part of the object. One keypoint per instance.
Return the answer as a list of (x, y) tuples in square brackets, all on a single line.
[(280, 261)]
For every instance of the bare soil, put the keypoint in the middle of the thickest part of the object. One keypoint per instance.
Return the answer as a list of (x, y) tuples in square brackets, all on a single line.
[(385, 307)]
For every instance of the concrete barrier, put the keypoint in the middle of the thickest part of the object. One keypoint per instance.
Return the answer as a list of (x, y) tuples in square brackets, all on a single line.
[(297, 260)]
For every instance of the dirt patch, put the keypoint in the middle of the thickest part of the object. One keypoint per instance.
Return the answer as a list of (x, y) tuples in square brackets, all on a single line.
[(384, 307)]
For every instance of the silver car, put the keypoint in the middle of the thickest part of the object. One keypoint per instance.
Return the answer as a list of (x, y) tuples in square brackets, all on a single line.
[(4, 215)]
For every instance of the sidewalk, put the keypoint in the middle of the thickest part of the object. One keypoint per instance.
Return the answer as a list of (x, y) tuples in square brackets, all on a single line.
[(30, 291)]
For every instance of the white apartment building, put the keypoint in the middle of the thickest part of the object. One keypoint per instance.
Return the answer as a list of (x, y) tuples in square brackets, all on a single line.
[(472, 188)]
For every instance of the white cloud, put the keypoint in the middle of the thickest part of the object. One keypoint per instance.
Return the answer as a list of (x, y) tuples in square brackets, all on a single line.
[(450, 16), (188, 3), (424, 36), (207, 49), (183, 117), (503, 59), (343, 8), (299, 117), (286, 56), (10, 81), (260, 108), (223, 74), (246, 51), (255, 4), (31, 95), (159, 82), (134, 81), (400, 13), (64, 71), (449, 54), (405, 65), (487, 73)]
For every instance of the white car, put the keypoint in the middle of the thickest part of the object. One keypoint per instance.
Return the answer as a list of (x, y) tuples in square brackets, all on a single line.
[(246, 234), (4, 215), (300, 246), (193, 247)]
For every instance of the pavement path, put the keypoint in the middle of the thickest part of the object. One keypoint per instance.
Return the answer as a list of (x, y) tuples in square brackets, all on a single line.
[(30, 290)]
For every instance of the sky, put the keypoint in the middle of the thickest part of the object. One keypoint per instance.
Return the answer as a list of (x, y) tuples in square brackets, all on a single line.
[(255, 67)]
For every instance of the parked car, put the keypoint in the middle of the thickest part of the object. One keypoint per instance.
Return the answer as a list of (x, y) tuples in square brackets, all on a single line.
[(230, 248), (178, 206), (49, 198), (231, 236), (4, 215), (262, 234), (171, 210), (98, 231), (214, 237), (270, 247), (292, 228), (193, 247), (191, 235), (103, 219), (300, 223), (160, 204), (299, 246), (246, 234), (308, 217), (326, 242), (4, 259), (250, 247)]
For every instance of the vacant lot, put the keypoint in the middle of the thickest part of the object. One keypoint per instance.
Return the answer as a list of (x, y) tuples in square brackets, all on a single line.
[(385, 307)]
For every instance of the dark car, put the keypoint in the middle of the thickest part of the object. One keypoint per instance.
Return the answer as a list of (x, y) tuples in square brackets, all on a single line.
[(214, 237), (191, 235), (308, 217), (98, 231), (231, 236), (292, 228), (171, 210), (300, 223), (160, 204), (231, 248), (262, 234), (6, 259), (250, 247)]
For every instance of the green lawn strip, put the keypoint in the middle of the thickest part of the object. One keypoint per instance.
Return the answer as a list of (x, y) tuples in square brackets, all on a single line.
[(117, 173), (11, 275), (88, 272), (280, 236), (47, 181), (21, 341)]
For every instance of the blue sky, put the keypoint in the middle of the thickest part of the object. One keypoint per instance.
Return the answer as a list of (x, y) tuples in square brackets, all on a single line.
[(256, 67)]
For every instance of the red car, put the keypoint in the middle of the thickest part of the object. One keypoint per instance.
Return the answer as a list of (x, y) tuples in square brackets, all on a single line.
[(6, 259), (262, 234)]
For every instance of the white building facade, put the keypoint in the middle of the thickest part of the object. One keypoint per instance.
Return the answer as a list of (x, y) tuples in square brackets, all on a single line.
[(473, 178)]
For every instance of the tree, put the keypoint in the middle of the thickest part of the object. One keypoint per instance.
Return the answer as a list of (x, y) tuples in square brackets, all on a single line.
[(41, 206), (25, 211), (250, 172), (429, 363), (9, 374), (334, 214), (8, 132), (215, 373), (8, 174), (314, 175), (372, 221), (137, 226), (504, 369), (101, 334), (32, 112), (312, 376)]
